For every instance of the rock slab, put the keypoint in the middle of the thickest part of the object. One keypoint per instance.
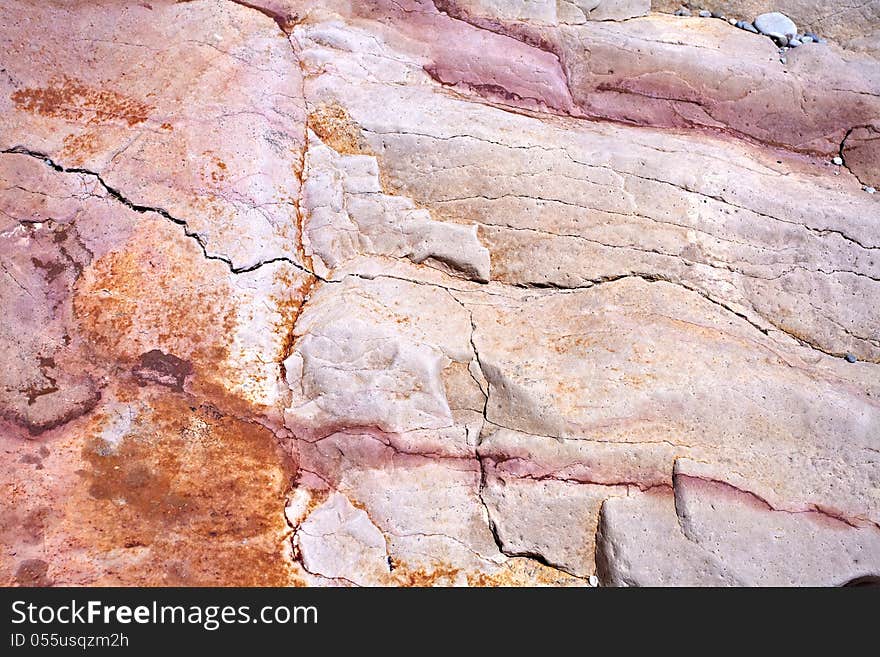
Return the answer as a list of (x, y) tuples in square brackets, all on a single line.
[(462, 293)]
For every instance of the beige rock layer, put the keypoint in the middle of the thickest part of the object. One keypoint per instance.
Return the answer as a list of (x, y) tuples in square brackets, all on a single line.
[(431, 322)]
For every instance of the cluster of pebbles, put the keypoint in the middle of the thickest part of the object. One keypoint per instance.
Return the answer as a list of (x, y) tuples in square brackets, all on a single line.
[(782, 30), (778, 27)]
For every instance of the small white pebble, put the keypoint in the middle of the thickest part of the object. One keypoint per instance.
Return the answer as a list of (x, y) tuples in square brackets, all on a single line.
[(870, 190), (837, 160), (732, 21), (594, 581)]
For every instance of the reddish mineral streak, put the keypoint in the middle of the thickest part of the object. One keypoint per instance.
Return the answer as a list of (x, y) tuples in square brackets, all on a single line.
[(818, 513), (637, 97), (369, 448), (479, 59), (519, 467)]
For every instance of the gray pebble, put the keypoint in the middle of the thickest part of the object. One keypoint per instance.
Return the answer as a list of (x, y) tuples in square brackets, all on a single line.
[(748, 27), (812, 36), (776, 25), (705, 14), (850, 358), (870, 190), (806, 39), (837, 160), (684, 11), (794, 43), (781, 40)]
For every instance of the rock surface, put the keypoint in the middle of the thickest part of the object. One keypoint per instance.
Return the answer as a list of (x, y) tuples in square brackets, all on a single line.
[(474, 292), (853, 23)]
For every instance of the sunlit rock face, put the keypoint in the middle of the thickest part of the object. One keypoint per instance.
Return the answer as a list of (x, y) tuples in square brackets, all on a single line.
[(472, 292), (854, 24)]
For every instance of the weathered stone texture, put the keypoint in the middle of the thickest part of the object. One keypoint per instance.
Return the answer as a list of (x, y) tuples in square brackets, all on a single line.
[(411, 293)]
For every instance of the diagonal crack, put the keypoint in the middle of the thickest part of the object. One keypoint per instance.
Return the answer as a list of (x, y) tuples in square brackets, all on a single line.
[(493, 529), (117, 195)]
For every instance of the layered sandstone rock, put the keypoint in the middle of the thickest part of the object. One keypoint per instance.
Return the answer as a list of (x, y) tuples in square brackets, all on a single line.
[(454, 293), (853, 22)]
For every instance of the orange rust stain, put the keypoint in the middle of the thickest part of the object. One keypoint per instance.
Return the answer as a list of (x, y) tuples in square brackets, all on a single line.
[(332, 123), (73, 100), (515, 572), (212, 208), (191, 495), (218, 174), (639, 380), (200, 493), (565, 344), (506, 248), (80, 147), (167, 126), (523, 572), (299, 218), (440, 575), (290, 307), (300, 245), (316, 499), (161, 297), (566, 387)]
